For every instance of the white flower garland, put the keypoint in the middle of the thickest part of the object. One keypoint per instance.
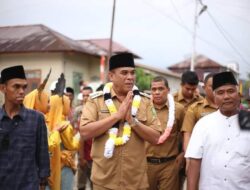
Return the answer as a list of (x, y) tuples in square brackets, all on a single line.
[(113, 139), (170, 123)]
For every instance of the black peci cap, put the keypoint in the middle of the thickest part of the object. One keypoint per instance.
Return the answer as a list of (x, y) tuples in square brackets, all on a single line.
[(121, 60), (12, 73), (223, 78)]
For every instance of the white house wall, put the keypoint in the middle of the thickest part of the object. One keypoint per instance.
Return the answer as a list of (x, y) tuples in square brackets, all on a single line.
[(174, 84), (35, 61), (85, 64)]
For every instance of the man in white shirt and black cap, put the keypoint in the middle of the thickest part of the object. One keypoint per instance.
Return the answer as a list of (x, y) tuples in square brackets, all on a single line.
[(219, 150)]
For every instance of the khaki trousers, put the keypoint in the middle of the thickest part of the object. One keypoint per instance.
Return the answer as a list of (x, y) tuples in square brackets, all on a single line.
[(164, 176), (97, 187)]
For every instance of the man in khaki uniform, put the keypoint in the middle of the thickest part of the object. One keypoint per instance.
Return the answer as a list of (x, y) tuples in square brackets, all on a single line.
[(198, 110), (186, 96), (126, 168), (163, 160), (187, 93)]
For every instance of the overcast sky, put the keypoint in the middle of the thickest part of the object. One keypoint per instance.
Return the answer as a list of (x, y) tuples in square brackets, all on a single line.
[(160, 31)]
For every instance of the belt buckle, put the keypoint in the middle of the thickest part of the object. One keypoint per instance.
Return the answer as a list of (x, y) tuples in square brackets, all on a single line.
[(156, 160), (159, 161)]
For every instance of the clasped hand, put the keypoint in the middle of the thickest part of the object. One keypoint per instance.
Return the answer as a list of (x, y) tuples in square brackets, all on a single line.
[(124, 112)]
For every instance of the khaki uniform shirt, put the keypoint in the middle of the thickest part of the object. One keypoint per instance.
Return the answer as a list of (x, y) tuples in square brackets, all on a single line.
[(178, 97), (127, 168), (170, 146), (196, 111)]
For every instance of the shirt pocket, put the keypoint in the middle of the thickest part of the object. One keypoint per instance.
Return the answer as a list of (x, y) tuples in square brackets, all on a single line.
[(103, 114), (141, 117)]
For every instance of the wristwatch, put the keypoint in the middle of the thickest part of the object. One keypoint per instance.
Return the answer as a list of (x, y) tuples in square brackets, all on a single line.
[(135, 122)]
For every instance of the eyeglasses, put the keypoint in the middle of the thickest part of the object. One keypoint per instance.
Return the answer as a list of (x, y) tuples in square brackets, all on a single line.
[(5, 142)]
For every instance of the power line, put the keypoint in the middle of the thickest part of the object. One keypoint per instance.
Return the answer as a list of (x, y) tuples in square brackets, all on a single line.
[(237, 5), (190, 32), (225, 34), (245, 20), (228, 39), (177, 12)]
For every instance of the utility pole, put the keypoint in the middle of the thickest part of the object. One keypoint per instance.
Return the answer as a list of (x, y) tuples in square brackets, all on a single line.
[(193, 58), (196, 16), (110, 39)]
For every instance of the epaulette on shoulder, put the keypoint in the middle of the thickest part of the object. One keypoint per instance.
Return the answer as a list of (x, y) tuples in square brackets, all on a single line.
[(96, 94), (145, 95)]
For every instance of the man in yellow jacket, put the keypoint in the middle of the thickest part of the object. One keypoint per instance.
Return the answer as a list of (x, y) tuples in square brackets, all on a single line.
[(58, 128), (62, 162)]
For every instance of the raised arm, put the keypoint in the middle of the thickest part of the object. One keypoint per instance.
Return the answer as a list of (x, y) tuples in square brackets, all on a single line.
[(150, 130), (91, 127)]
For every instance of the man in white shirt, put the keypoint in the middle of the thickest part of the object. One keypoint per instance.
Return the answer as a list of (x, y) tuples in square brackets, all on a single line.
[(219, 151)]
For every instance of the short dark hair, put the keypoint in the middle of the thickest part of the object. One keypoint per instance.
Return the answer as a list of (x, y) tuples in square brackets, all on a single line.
[(189, 77), (159, 79), (70, 90), (208, 76), (87, 88)]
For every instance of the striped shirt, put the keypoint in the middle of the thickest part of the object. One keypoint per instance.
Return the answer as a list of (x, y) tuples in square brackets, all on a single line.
[(24, 157)]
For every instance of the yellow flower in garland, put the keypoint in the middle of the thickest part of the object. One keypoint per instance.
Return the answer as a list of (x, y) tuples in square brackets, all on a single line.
[(127, 130), (113, 139)]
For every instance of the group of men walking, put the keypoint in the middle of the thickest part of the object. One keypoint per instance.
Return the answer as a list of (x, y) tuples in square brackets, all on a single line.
[(138, 141)]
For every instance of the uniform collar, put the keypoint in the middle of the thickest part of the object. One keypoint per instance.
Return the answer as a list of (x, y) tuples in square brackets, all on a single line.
[(113, 94), (207, 104), (180, 96), (163, 106)]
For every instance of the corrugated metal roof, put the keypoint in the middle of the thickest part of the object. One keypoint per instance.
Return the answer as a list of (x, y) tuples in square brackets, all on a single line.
[(36, 38), (201, 62), (101, 46)]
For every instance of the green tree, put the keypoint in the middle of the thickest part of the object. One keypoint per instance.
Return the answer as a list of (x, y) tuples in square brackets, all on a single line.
[(246, 86), (143, 79)]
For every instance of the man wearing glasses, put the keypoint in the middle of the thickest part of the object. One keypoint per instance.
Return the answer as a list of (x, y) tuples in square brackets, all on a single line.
[(24, 158)]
